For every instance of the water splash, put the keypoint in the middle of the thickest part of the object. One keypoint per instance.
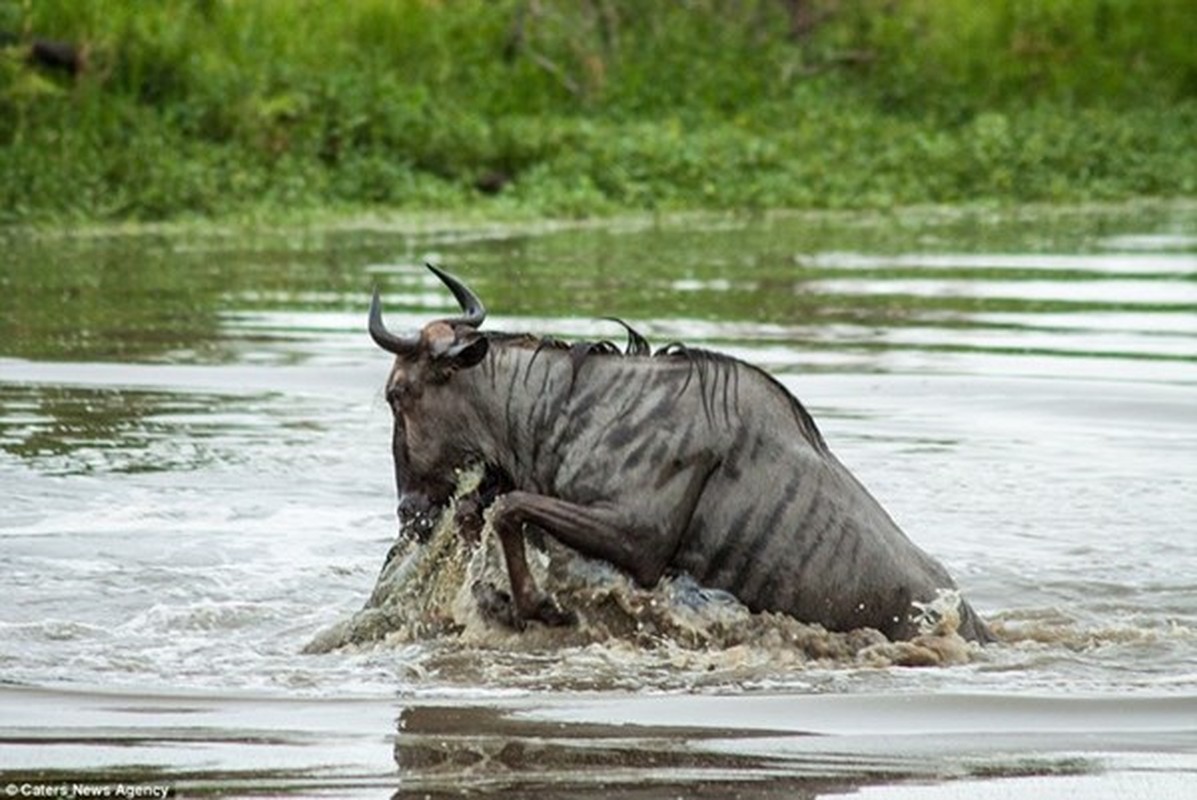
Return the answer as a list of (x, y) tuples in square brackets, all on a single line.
[(429, 593)]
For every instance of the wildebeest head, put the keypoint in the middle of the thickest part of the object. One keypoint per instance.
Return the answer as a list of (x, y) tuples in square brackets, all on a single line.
[(430, 437)]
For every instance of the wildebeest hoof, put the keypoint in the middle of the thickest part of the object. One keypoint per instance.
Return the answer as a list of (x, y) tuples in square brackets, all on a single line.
[(548, 612), (496, 605)]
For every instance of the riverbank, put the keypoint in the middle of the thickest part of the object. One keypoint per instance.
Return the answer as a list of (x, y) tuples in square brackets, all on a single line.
[(518, 109), (828, 158)]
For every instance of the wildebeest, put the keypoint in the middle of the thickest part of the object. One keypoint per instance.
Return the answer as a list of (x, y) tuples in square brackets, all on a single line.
[(679, 460)]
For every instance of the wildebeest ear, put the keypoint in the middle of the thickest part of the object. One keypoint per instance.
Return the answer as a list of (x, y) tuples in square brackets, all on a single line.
[(467, 351)]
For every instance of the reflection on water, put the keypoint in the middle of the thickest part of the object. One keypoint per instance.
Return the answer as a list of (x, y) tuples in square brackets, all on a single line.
[(194, 479), (63, 430)]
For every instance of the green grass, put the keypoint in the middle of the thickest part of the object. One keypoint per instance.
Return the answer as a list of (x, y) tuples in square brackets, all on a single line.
[(260, 107)]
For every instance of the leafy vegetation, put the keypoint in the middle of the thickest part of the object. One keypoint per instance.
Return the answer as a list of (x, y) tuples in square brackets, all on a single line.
[(577, 107)]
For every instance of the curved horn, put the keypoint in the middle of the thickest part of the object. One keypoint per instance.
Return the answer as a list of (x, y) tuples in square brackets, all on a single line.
[(475, 312), (388, 341)]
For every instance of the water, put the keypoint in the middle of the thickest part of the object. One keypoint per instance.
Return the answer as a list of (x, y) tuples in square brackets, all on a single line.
[(195, 481)]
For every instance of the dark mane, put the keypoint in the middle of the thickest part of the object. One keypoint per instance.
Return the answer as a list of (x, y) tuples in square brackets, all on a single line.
[(703, 361), (717, 373)]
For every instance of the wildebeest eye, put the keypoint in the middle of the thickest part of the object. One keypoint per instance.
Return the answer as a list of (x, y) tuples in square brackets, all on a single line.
[(403, 394)]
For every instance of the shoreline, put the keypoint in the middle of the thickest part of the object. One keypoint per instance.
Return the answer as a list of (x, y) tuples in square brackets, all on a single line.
[(481, 220)]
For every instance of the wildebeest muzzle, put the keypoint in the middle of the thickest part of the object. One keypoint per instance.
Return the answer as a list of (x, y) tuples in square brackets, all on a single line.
[(418, 516)]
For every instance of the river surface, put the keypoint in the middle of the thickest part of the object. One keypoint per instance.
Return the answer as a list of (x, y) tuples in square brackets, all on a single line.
[(195, 481)]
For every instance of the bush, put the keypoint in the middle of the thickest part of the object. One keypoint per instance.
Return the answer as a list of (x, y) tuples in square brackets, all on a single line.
[(216, 107)]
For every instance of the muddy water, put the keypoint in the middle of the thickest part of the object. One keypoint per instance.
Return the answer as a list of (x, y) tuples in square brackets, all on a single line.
[(194, 484)]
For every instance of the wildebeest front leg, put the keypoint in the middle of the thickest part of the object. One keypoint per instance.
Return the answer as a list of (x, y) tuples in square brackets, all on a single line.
[(597, 531), (530, 602)]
